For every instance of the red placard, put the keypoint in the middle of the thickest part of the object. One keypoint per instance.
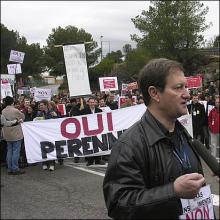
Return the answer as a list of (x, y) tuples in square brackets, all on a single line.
[(132, 86), (194, 82), (122, 100), (109, 83), (62, 109), (4, 81)]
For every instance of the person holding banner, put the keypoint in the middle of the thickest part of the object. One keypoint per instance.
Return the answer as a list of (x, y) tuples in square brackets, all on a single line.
[(44, 113), (92, 109), (111, 102), (152, 165)]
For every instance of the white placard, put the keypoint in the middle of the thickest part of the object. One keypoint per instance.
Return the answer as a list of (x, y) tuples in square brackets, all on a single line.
[(76, 69), (9, 78), (42, 94), (201, 207), (108, 83), (6, 90), (14, 68), (16, 56)]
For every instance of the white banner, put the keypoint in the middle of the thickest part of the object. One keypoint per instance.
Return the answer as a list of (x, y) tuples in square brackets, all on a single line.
[(40, 94), (79, 136), (16, 56), (14, 68), (76, 69), (108, 83), (8, 78)]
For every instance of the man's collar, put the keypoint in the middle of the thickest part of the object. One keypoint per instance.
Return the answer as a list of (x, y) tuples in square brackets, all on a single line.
[(154, 130)]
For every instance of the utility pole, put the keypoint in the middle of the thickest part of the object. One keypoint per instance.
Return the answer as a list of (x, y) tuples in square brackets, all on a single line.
[(101, 47)]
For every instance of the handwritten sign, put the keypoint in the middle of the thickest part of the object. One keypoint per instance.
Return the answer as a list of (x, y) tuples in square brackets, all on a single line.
[(16, 56), (40, 94), (14, 68)]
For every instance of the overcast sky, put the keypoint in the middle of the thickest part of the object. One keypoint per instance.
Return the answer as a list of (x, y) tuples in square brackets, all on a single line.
[(111, 19)]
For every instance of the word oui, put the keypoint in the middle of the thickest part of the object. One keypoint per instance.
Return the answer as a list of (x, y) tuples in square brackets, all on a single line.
[(84, 125)]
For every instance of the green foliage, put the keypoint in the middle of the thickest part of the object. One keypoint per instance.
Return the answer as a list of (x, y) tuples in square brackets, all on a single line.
[(136, 59), (169, 27), (33, 62), (115, 56), (216, 41), (54, 56), (104, 68), (127, 48), (192, 61)]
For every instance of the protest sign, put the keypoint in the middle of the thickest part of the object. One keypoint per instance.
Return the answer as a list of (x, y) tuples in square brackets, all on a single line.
[(62, 109), (14, 68), (76, 69), (201, 207), (16, 56), (5, 89), (122, 100), (133, 86), (40, 94), (124, 89), (108, 84), (194, 82), (81, 136), (8, 78)]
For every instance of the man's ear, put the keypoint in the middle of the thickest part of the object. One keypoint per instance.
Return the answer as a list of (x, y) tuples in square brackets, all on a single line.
[(154, 93)]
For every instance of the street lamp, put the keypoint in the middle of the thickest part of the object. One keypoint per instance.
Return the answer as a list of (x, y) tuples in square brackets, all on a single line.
[(101, 47)]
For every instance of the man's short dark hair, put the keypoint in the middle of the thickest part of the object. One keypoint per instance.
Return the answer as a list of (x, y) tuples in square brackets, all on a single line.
[(44, 101), (8, 100), (155, 73), (73, 100), (92, 98)]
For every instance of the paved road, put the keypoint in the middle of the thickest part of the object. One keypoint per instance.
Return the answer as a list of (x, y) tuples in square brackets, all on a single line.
[(72, 191)]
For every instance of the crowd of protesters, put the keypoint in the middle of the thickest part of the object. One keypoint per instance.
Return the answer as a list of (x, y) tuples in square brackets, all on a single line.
[(205, 122)]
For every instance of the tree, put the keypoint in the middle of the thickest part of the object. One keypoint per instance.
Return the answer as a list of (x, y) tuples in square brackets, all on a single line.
[(169, 27), (33, 62), (126, 49), (216, 41), (115, 56), (54, 59), (104, 68), (136, 59)]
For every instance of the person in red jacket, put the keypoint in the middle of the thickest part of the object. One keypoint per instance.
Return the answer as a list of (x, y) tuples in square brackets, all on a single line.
[(214, 128)]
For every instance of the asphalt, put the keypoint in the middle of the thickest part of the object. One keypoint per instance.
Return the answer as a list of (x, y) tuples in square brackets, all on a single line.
[(72, 191)]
